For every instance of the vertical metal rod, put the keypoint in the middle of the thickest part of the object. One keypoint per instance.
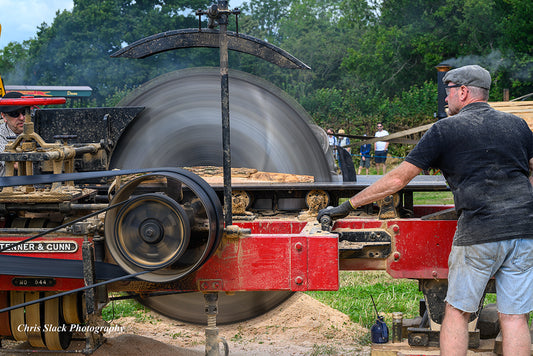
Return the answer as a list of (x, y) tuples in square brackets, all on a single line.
[(211, 332), (89, 276), (226, 147)]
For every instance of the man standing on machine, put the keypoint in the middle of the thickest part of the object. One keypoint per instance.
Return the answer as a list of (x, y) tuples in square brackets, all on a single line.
[(486, 157)]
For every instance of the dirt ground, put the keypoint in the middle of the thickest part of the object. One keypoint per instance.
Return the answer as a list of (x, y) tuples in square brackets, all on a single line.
[(300, 326)]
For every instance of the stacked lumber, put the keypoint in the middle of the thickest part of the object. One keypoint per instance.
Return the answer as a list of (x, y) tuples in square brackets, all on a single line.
[(523, 109)]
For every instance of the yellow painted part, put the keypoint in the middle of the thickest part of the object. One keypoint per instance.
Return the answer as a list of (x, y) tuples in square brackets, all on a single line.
[(2, 88)]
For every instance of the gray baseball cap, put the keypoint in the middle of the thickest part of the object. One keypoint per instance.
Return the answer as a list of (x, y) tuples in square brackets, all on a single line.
[(472, 75)]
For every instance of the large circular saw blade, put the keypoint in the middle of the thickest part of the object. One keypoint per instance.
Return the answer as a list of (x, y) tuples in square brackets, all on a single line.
[(232, 308), (182, 126)]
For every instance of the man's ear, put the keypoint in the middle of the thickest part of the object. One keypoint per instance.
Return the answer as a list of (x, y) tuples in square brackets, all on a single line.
[(463, 95)]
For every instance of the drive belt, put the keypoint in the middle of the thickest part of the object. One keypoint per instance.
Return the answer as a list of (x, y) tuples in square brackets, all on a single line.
[(57, 268), (127, 276), (65, 177)]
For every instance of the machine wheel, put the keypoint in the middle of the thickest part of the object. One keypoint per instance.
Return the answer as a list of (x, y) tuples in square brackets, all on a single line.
[(152, 231), (16, 316), (72, 308), (171, 229), (55, 339), (181, 127), (34, 320)]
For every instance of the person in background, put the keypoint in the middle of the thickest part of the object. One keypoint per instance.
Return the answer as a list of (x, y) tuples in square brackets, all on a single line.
[(486, 157), (344, 141), (364, 150), (12, 125), (380, 150), (333, 142)]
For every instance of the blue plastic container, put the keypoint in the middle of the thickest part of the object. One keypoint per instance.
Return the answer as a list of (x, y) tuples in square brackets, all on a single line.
[(379, 332)]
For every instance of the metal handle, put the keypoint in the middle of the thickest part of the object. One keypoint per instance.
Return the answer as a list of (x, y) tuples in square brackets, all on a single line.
[(326, 221)]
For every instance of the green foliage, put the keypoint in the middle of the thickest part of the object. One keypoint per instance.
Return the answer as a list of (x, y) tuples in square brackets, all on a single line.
[(371, 60), (12, 58)]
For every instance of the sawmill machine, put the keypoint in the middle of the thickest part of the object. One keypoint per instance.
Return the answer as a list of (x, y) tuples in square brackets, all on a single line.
[(102, 201)]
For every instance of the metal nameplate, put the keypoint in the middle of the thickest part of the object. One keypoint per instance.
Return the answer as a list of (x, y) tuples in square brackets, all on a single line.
[(49, 246), (33, 282)]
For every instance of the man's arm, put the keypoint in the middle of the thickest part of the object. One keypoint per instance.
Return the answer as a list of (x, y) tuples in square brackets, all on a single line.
[(389, 184)]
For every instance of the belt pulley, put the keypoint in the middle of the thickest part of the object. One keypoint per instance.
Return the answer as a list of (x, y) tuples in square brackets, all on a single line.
[(170, 225)]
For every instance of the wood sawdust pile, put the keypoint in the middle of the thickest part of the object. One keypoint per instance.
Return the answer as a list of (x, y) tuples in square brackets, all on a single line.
[(300, 326)]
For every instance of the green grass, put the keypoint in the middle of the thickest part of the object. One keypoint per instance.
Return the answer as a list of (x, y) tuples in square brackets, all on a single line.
[(390, 295), (354, 296), (432, 198), (123, 308)]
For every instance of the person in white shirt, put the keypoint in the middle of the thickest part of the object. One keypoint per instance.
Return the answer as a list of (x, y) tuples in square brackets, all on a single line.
[(380, 150), (344, 141)]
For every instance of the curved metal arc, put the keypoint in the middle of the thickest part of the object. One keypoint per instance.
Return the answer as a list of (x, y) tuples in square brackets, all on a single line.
[(187, 38)]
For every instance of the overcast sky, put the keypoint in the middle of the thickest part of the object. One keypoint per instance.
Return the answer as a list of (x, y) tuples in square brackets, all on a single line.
[(20, 18)]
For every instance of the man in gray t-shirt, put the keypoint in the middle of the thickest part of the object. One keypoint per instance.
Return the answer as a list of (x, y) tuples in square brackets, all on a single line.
[(486, 157), (12, 123)]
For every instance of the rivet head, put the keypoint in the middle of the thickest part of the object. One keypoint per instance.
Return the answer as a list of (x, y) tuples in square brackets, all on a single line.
[(396, 256), (299, 246), (299, 280)]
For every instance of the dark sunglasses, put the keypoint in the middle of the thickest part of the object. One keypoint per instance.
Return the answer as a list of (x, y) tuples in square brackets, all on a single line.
[(16, 113)]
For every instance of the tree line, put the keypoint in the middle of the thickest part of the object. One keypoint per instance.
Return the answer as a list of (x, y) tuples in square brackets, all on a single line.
[(371, 60)]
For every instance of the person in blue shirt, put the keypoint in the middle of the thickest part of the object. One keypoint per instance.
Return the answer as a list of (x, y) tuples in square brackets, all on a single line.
[(365, 157)]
